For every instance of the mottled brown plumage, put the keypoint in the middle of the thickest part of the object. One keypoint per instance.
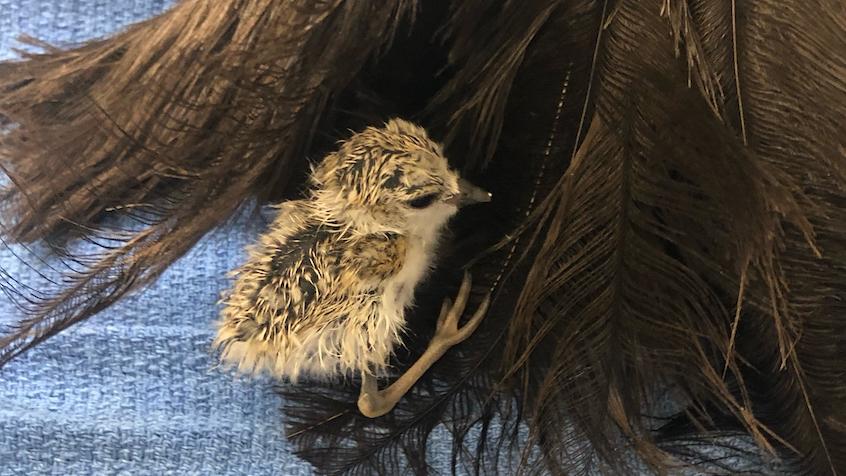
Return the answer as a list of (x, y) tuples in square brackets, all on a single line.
[(324, 291)]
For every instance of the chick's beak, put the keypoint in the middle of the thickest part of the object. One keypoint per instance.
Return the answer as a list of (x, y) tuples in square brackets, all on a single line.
[(468, 194)]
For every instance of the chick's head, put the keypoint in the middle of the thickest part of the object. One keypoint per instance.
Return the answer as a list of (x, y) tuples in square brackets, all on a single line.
[(392, 179)]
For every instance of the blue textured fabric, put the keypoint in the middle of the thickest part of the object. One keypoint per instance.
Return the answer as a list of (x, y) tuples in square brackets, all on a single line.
[(133, 390)]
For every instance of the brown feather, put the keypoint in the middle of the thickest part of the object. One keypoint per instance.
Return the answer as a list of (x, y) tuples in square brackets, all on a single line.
[(229, 96)]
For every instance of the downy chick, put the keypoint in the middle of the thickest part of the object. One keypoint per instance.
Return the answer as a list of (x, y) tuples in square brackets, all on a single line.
[(324, 292)]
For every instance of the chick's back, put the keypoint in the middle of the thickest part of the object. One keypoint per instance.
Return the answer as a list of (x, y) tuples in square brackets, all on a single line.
[(309, 300)]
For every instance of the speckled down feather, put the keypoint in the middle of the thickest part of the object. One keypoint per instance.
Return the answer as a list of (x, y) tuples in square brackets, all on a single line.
[(324, 291)]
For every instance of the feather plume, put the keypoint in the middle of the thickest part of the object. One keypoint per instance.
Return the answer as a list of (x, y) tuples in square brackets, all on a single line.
[(788, 96), (172, 124)]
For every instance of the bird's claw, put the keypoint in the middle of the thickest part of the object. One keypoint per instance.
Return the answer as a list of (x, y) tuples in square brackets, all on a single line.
[(373, 402), (448, 333)]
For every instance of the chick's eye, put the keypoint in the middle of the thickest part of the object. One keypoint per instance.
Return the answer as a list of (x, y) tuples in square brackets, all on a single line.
[(424, 201)]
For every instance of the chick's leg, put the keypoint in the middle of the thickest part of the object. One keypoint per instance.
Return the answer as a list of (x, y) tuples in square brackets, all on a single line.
[(373, 402)]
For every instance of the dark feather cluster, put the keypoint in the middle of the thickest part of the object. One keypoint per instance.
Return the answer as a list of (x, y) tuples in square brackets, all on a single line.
[(666, 251)]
